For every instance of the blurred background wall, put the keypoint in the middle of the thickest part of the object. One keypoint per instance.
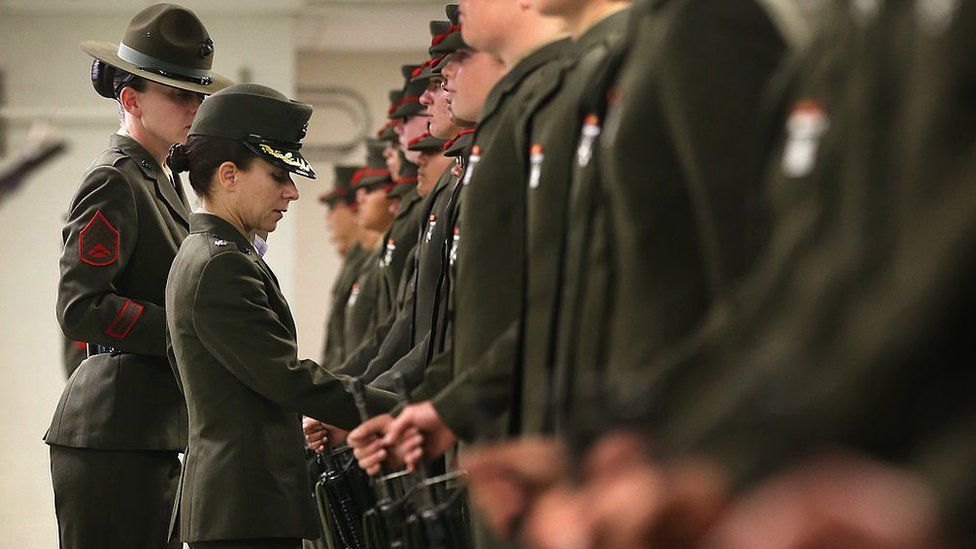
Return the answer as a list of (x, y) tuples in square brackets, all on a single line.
[(342, 56)]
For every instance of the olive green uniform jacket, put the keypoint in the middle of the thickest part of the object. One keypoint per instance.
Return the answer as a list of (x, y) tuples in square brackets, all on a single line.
[(440, 361), (333, 349), (413, 321), (383, 282), (854, 329), (490, 254), (234, 348), (675, 213), (126, 223), (554, 141)]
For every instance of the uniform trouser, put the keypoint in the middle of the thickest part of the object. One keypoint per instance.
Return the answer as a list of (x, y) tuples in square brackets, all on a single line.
[(114, 499), (269, 543)]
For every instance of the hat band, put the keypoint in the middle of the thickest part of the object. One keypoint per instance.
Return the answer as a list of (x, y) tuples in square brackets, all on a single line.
[(150, 63)]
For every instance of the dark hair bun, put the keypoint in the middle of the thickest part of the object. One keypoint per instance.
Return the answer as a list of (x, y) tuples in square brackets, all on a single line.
[(178, 159)]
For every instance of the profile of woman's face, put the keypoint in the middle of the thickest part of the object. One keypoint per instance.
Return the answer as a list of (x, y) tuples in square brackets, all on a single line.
[(374, 209), (263, 194)]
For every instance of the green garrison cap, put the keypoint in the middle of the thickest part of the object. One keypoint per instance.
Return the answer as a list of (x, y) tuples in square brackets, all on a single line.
[(167, 44), (375, 171), (406, 180), (449, 41), (460, 144), (426, 142), (426, 70), (267, 122), (341, 187), (388, 131), (409, 105)]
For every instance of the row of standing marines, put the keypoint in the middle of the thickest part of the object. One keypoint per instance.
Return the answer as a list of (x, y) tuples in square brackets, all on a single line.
[(621, 274)]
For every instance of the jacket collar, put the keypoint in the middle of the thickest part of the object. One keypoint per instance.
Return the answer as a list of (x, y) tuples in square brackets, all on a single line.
[(517, 74), (220, 228), (154, 172)]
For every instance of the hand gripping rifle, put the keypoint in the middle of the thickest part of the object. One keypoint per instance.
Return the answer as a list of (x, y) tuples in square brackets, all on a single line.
[(382, 524), (439, 520)]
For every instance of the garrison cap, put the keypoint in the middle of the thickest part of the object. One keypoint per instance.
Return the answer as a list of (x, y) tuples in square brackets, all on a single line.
[(450, 40), (375, 170), (268, 123), (341, 187), (460, 144), (409, 104), (406, 179), (426, 142), (165, 43), (426, 70), (388, 131)]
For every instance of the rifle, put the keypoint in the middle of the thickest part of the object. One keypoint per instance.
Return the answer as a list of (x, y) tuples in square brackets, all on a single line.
[(341, 499), (383, 524), (440, 518)]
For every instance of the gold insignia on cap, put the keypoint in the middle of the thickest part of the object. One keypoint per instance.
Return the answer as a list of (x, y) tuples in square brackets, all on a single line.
[(287, 158)]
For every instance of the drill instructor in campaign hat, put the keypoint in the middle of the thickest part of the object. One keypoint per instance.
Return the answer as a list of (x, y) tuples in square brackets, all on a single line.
[(121, 421)]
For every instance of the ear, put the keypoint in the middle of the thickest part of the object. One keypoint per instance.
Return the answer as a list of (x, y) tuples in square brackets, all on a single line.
[(228, 176), (129, 99)]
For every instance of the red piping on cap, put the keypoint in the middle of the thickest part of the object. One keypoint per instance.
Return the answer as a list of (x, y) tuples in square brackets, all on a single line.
[(417, 139), (443, 36), (366, 172), (461, 133)]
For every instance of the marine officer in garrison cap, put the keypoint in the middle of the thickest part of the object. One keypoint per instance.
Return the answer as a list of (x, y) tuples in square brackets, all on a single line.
[(121, 421), (234, 342)]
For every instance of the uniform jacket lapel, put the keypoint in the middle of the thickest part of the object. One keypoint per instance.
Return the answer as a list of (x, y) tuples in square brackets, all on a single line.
[(165, 188)]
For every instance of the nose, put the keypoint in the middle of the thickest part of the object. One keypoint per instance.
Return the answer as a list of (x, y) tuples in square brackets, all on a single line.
[(427, 98), (291, 190)]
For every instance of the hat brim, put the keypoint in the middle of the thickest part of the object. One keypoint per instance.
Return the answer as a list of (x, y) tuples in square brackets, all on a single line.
[(428, 144), (371, 180), (286, 158), (406, 110), (400, 190), (108, 53)]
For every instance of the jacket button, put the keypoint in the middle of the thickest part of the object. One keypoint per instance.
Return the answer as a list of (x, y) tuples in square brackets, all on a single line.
[(145, 164)]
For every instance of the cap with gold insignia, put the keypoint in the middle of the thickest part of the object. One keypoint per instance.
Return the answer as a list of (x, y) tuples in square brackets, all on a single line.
[(164, 43), (409, 104), (341, 192), (426, 142), (268, 123), (406, 179)]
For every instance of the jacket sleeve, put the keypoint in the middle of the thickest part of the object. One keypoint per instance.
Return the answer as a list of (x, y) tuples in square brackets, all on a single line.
[(411, 366), (474, 399), (236, 324), (99, 241), (394, 345)]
